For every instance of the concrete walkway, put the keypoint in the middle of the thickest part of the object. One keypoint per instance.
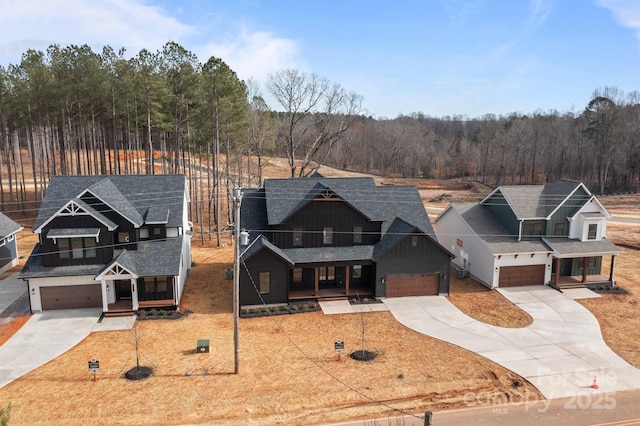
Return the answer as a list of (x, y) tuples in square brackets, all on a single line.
[(560, 353)]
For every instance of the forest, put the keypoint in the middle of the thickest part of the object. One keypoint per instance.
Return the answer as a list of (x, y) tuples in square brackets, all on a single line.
[(71, 110)]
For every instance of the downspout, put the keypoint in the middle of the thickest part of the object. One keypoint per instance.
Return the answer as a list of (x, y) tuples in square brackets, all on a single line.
[(520, 230)]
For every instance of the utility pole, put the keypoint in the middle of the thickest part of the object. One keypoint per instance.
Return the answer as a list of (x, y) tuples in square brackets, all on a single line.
[(237, 200)]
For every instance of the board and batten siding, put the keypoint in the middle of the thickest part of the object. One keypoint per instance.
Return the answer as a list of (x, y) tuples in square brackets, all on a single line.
[(427, 257), (264, 261), (8, 253), (503, 212), (567, 209), (317, 215)]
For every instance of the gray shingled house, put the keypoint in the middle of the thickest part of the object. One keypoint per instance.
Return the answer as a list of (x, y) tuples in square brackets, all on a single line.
[(120, 243), (8, 243), (531, 235), (317, 237)]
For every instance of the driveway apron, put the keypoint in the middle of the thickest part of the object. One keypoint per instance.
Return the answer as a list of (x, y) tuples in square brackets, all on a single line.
[(44, 337), (561, 353)]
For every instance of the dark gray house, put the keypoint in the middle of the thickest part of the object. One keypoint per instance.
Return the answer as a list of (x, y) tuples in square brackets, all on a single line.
[(119, 243), (319, 237), (8, 243)]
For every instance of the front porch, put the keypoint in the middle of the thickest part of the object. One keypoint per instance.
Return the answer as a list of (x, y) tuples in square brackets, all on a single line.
[(586, 272), (125, 307), (566, 282), (330, 293)]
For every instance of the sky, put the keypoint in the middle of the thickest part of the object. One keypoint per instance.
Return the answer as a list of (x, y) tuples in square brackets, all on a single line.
[(436, 57)]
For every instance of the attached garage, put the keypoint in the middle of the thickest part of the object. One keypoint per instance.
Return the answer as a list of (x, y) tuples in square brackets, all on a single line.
[(71, 297), (412, 285), (514, 276)]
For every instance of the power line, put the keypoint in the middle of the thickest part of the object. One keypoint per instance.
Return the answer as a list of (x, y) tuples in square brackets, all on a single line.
[(314, 362)]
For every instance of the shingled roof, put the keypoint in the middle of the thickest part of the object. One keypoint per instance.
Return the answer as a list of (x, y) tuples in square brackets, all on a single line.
[(399, 209), (493, 233), (8, 227), (131, 196), (537, 201), (285, 197)]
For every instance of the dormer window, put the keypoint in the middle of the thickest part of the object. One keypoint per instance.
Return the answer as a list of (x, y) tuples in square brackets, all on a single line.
[(592, 234)]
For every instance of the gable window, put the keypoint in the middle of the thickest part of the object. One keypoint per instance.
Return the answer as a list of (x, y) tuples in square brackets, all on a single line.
[(532, 229), (357, 235), (559, 229), (297, 236), (77, 248), (414, 241), (356, 271), (327, 235), (593, 231), (265, 282)]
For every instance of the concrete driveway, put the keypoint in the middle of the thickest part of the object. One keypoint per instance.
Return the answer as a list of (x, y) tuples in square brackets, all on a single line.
[(560, 353), (44, 337)]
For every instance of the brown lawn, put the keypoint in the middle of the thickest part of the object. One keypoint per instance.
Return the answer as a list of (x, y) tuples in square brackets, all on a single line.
[(289, 373)]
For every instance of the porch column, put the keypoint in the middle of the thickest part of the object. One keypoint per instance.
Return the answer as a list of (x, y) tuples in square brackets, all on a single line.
[(134, 294), (613, 267), (346, 280), (585, 263), (556, 279), (315, 281), (105, 296)]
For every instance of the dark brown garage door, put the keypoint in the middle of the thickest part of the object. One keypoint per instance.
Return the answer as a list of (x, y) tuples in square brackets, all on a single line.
[(412, 285), (71, 297), (514, 276)]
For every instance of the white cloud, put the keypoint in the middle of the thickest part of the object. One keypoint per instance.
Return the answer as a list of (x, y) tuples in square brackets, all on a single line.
[(625, 12), (134, 25), (37, 24), (253, 54), (540, 11)]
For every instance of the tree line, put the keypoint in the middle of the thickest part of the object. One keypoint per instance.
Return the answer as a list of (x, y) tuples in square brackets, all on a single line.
[(599, 145), (71, 110)]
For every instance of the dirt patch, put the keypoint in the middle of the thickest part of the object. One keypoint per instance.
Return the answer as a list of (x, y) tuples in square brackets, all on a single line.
[(289, 371), (486, 305)]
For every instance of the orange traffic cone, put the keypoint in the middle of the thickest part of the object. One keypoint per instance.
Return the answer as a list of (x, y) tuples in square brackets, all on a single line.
[(594, 385)]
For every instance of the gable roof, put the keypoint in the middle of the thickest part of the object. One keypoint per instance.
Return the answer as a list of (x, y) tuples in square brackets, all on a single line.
[(8, 227), (130, 196), (285, 197), (536, 201), (259, 244), (109, 194)]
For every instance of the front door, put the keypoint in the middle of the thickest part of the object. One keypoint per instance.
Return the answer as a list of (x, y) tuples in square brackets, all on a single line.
[(123, 289), (326, 277)]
